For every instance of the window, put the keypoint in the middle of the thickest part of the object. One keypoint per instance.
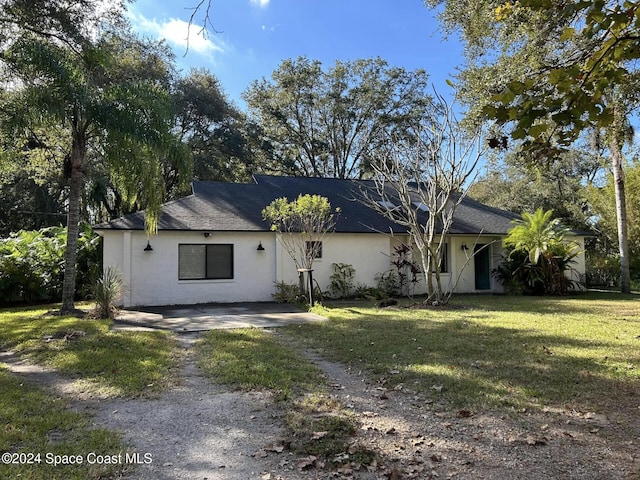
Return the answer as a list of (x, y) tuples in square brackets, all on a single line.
[(315, 247), (444, 261), (201, 262)]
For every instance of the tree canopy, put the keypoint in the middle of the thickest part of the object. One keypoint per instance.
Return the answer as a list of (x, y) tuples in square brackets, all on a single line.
[(85, 93), (546, 71), (329, 123)]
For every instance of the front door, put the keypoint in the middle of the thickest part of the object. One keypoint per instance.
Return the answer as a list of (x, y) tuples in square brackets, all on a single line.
[(482, 269)]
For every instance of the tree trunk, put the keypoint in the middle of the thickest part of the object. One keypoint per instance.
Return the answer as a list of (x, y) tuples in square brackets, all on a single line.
[(78, 153), (621, 215)]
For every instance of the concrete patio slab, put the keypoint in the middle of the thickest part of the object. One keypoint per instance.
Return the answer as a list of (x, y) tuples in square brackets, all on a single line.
[(195, 318)]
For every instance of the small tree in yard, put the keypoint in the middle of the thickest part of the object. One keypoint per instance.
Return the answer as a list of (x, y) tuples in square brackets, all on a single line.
[(303, 224), (420, 181), (539, 255)]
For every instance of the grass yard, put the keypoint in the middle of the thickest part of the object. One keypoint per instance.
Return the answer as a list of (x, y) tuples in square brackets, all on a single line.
[(37, 427), (252, 359), (105, 362), (502, 352)]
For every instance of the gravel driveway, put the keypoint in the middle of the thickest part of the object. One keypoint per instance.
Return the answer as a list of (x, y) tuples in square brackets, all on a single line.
[(197, 430)]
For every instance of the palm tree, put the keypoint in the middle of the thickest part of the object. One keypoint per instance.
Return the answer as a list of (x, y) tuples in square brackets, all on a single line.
[(536, 233), (73, 89), (539, 252)]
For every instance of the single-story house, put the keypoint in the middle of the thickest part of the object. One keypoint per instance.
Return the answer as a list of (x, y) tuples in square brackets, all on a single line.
[(214, 246)]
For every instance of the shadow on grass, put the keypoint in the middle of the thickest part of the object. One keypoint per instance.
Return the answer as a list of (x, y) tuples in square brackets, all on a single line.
[(495, 351), (111, 363), (251, 358)]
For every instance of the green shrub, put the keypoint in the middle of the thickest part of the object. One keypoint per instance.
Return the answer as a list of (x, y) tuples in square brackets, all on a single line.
[(286, 293), (538, 256), (388, 283), (341, 281), (32, 264), (107, 290)]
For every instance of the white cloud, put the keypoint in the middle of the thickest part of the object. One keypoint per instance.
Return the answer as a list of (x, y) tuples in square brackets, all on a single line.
[(260, 3), (178, 33)]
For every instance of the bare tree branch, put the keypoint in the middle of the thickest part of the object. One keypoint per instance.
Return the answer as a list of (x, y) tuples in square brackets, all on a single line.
[(420, 181)]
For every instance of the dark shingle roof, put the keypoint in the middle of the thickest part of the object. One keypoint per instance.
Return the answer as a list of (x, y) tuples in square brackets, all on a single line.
[(216, 206)]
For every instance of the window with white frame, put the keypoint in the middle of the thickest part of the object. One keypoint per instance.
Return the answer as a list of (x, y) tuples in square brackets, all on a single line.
[(205, 261), (444, 260)]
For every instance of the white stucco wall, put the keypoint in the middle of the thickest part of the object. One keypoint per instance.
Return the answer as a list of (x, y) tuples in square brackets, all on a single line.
[(579, 267), (462, 261), (367, 253), (151, 278), (460, 275)]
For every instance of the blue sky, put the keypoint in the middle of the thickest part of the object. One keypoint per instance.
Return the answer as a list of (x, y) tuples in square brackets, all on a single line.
[(252, 37)]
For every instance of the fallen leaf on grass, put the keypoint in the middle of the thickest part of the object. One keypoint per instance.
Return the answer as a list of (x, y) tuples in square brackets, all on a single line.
[(319, 435), (274, 448), (529, 440), (310, 462)]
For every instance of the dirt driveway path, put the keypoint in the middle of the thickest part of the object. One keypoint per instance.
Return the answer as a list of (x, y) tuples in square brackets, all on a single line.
[(197, 430)]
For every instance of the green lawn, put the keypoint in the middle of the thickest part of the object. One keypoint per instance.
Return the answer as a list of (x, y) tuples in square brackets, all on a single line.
[(107, 363), (253, 359), (494, 351), (37, 427), (481, 352), (37, 431)]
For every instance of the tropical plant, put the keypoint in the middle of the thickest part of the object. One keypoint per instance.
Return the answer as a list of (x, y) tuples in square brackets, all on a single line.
[(388, 283), (78, 90), (107, 291), (539, 255), (341, 280), (32, 262)]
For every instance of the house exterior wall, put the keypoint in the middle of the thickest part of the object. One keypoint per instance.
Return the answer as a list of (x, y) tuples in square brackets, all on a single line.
[(462, 261), (579, 266), (460, 275), (151, 278), (367, 253)]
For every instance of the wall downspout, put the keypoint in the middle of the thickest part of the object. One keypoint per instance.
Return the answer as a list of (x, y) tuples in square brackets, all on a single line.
[(126, 268)]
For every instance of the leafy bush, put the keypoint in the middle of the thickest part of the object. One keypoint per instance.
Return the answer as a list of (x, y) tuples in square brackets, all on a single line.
[(404, 275), (341, 281), (32, 264), (538, 256), (286, 293), (388, 283)]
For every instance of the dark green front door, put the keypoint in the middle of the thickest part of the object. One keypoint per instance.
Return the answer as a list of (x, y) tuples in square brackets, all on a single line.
[(481, 263)]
